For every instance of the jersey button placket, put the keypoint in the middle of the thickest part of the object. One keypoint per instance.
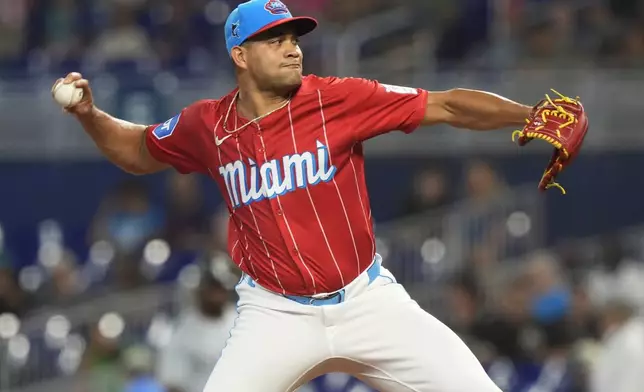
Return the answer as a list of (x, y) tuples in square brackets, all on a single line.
[(259, 142), (259, 151), (278, 212)]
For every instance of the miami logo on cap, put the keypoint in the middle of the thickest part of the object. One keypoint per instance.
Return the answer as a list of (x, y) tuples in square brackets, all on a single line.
[(276, 7)]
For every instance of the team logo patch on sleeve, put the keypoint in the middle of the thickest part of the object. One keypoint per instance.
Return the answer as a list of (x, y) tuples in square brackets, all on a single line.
[(164, 130)]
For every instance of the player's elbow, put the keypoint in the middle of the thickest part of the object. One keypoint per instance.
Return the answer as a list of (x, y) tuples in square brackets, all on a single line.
[(138, 161), (140, 166), (438, 109), (141, 170), (131, 167), (135, 170)]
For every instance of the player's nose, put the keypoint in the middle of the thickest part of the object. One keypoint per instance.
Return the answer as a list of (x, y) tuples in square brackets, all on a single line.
[(292, 52), (291, 49)]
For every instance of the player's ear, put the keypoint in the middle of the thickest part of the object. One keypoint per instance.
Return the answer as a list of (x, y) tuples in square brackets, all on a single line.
[(239, 56)]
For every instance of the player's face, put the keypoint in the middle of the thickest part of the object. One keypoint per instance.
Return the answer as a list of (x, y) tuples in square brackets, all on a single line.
[(274, 59)]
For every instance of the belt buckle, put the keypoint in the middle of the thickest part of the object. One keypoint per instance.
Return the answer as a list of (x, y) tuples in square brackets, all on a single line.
[(312, 300), (332, 296)]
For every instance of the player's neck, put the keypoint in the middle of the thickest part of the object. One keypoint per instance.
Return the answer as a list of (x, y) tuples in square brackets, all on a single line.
[(253, 104)]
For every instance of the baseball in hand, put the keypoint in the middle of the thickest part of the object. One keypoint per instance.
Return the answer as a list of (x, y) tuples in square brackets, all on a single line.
[(67, 94)]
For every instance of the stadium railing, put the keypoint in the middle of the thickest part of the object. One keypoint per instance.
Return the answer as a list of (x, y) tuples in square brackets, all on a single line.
[(426, 250)]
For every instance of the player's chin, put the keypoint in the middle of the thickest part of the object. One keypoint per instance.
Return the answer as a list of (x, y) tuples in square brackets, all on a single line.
[(294, 73), (292, 79)]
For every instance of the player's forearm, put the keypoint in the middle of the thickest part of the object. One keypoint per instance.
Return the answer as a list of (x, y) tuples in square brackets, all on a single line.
[(479, 110), (120, 141)]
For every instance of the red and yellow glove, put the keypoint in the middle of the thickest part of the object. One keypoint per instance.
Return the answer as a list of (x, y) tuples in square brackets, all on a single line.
[(563, 123)]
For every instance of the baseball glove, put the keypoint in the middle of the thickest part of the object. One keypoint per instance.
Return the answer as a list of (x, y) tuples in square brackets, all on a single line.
[(562, 122)]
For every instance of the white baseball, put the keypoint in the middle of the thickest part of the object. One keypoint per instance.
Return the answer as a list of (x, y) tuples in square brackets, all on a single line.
[(67, 95)]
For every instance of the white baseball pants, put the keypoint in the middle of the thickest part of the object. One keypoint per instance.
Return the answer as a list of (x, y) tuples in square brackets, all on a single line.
[(377, 334)]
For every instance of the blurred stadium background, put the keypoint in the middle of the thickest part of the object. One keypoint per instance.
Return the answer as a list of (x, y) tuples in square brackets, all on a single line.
[(110, 282)]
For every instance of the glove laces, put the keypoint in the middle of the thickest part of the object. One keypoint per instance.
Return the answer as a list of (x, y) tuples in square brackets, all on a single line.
[(559, 112)]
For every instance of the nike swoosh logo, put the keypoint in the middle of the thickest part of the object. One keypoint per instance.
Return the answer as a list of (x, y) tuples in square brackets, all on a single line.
[(219, 141)]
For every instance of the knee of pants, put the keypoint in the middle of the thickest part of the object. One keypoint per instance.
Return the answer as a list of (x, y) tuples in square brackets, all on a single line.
[(267, 352), (275, 377)]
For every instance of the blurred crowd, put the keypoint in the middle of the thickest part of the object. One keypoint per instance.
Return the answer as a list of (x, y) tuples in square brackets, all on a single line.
[(185, 36), (557, 320), (465, 244), (134, 239)]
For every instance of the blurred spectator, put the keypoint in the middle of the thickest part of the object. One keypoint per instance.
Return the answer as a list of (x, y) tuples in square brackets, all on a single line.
[(583, 318), (124, 39), (503, 320), (12, 298), (219, 226), (468, 316), (102, 363), (125, 273), (618, 277), (631, 53), (184, 32), (484, 225), (62, 38), (201, 333), (64, 286), (626, 9), (548, 289), (187, 219), (465, 34), (342, 12), (127, 218), (13, 16), (430, 192), (139, 362), (482, 182), (547, 35), (618, 367)]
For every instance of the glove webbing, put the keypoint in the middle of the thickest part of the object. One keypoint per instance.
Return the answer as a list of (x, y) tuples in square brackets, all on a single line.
[(560, 112)]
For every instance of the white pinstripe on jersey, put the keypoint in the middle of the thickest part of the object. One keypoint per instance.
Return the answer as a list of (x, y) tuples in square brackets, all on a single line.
[(337, 188), (261, 238), (288, 226), (363, 206), (308, 191), (230, 217)]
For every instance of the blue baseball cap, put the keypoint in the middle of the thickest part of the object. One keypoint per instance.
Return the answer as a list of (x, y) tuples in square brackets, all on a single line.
[(256, 16)]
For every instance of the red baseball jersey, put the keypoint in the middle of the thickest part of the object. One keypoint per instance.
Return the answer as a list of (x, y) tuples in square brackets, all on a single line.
[(294, 183)]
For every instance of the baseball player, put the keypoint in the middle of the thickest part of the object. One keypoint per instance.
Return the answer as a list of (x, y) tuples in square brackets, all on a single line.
[(286, 152)]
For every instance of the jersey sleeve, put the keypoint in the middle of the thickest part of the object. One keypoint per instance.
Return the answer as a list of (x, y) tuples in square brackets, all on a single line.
[(175, 142), (374, 108)]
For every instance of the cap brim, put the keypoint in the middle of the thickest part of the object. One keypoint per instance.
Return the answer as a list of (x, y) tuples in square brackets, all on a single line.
[(301, 24)]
